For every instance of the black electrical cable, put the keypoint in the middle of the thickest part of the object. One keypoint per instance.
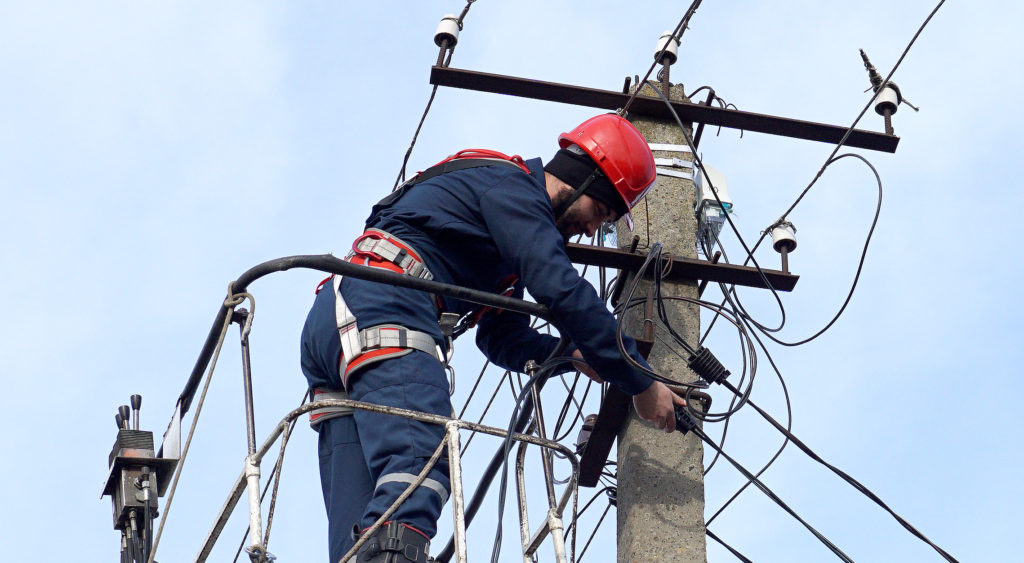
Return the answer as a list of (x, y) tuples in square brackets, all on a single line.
[(782, 382), (732, 402), (654, 253), (764, 488), (738, 555), (849, 296), (581, 511), (521, 413), (497, 389), (594, 533), (747, 350), (566, 406), (543, 371), (860, 263), (846, 135), (785, 442), (789, 437), (714, 191), (845, 476)]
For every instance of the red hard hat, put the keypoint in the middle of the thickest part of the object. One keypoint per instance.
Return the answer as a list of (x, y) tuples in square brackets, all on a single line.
[(620, 151)]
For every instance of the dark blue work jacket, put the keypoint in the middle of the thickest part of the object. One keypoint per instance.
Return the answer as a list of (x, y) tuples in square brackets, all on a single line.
[(473, 228)]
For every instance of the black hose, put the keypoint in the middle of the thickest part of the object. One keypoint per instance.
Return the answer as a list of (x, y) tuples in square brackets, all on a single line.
[(334, 265)]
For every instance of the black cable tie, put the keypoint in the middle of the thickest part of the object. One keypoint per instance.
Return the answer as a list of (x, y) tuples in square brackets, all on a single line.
[(684, 420), (707, 366)]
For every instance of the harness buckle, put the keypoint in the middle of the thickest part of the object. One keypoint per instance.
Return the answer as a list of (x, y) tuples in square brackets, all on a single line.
[(448, 321)]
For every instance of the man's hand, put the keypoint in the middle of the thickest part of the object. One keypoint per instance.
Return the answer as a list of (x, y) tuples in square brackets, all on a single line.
[(584, 367), (657, 405)]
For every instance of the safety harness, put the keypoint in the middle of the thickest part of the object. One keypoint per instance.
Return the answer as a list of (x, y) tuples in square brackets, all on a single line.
[(364, 347), (379, 249)]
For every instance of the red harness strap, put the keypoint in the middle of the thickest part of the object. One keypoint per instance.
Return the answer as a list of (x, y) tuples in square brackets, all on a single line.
[(509, 283), (370, 258), (486, 153)]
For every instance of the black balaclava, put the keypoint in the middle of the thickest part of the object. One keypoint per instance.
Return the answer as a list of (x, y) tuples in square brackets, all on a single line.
[(575, 168)]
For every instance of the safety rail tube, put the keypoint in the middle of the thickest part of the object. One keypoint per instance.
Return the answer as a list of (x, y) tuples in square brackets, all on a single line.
[(240, 483), (333, 265), (499, 456)]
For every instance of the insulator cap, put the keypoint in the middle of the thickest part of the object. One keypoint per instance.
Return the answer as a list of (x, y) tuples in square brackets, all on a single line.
[(671, 54), (784, 237), (888, 99), (447, 30)]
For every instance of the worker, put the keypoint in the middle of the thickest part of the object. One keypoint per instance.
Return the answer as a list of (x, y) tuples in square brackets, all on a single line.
[(480, 220)]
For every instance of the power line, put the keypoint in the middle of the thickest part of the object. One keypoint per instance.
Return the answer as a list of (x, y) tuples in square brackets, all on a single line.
[(677, 35), (831, 157), (441, 61)]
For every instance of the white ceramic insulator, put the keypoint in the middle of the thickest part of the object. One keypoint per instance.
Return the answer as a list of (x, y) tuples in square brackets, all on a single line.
[(887, 99), (784, 235), (448, 30), (671, 52)]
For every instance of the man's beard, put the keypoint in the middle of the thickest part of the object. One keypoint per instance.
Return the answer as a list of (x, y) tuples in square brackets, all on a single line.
[(566, 219)]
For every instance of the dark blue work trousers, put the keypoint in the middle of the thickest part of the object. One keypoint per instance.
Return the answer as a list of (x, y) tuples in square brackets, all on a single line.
[(368, 459)]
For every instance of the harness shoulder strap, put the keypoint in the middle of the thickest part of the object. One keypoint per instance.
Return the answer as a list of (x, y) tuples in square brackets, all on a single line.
[(462, 160)]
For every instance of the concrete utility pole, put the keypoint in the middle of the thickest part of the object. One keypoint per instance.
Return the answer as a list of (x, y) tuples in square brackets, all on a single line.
[(661, 476)]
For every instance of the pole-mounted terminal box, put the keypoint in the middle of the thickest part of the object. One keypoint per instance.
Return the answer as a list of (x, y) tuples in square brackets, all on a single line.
[(711, 213)]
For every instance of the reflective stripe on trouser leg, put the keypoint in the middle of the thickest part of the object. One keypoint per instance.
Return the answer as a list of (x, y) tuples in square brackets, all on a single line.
[(399, 446), (409, 478)]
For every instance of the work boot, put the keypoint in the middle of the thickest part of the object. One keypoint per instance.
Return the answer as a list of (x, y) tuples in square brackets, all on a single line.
[(395, 542)]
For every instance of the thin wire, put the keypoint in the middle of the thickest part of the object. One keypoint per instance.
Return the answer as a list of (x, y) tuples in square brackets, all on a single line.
[(579, 514), (714, 191), (677, 35), (230, 303), (846, 477), (785, 442), (277, 476), (273, 472), (860, 263), (738, 555), (497, 389), (430, 101), (764, 488), (845, 136), (543, 371), (596, 528)]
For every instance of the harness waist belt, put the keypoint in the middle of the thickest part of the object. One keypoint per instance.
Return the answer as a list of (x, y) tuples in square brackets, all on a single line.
[(381, 249)]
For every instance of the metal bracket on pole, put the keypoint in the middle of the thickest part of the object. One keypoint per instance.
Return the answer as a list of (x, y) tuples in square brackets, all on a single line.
[(653, 107), (683, 269)]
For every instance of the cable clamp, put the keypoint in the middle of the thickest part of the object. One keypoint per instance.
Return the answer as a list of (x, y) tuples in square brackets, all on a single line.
[(684, 420), (707, 366)]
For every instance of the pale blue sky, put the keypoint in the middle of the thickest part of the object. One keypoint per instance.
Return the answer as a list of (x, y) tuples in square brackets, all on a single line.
[(149, 154)]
